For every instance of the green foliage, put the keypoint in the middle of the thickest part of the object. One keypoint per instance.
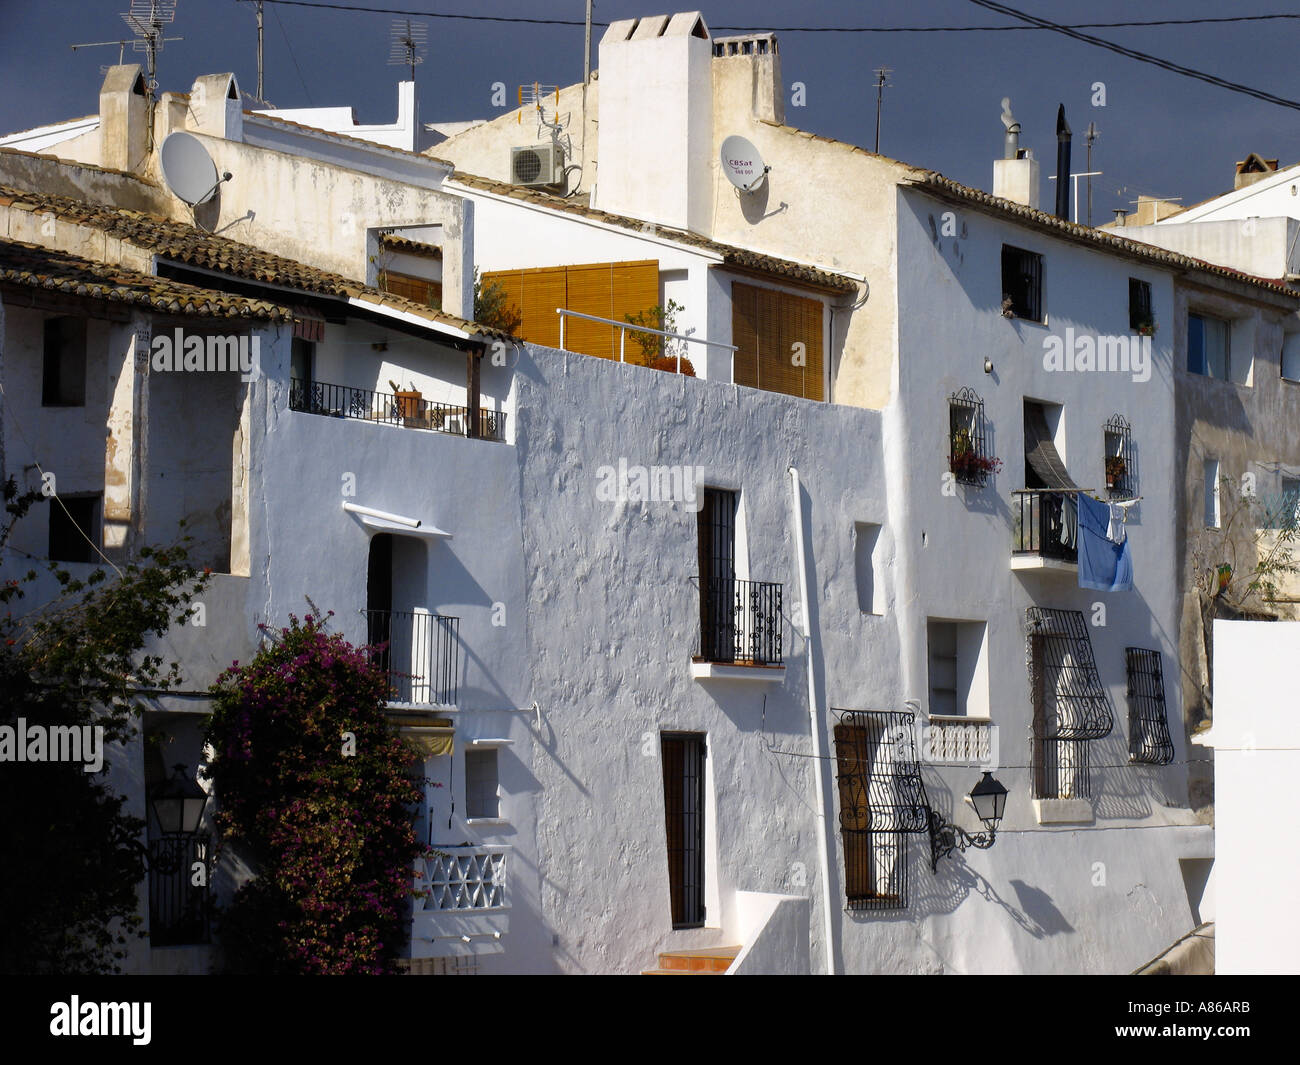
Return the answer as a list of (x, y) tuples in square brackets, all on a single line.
[(492, 307), (326, 824), (69, 851), (657, 317)]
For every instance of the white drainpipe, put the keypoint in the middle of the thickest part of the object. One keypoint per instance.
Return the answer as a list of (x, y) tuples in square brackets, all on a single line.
[(823, 851)]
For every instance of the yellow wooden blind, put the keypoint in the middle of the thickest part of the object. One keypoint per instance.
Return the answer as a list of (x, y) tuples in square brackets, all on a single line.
[(607, 290), (778, 340), (419, 289)]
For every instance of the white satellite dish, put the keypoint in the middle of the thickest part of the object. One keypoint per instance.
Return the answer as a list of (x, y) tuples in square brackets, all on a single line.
[(742, 164), (188, 169)]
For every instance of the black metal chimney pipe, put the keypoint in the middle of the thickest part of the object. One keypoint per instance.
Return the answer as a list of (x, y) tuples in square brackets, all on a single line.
[(1062, 165)]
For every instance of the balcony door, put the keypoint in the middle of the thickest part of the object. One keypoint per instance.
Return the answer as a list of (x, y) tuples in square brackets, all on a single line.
[(717, 566), (379, 597), (683, 758)]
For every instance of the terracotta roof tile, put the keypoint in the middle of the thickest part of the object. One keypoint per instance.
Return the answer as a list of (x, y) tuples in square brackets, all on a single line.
[(186, 244), (33, 266), (397, 242)]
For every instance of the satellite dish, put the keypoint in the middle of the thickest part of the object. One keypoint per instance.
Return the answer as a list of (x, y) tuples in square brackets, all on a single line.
[(742, 164), (188, 169)]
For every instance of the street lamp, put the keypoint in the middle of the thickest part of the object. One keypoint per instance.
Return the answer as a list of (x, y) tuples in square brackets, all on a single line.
[(989, 798)]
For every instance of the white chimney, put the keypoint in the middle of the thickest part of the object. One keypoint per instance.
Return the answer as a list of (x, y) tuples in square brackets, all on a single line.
[(1015, 175), (656, 120)]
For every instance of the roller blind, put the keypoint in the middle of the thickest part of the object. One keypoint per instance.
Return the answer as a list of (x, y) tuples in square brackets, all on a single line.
[(607, 290), (766, 326)]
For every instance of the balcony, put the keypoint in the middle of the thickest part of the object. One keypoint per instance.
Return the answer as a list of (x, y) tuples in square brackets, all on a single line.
[(419, 651), (1046, 530), (461, 904), (740, 629), (408, 410)]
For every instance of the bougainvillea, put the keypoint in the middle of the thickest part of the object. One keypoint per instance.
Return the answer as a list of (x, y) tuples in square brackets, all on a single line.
[(315, 790)]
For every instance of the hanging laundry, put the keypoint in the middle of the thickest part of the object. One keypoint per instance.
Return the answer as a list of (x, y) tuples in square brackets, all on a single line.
[(1104, 565)]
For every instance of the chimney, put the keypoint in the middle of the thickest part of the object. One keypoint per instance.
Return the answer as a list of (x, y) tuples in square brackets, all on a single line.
[(218, 106), (123, 118), (656, 121), (1015, 175), (1062, 164), (1251, 169), (756, 58)]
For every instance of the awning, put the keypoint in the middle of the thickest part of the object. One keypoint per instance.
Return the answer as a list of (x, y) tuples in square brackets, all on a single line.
[(433, 735), (308, 325), (1041, 455)]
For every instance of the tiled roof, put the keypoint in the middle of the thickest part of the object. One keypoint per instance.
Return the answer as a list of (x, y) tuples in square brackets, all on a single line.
[(187, 244), (935, 182), (397, 242), (58, 271), (731, 255)]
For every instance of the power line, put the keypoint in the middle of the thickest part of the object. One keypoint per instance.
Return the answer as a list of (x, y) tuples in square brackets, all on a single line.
[(791, 29), (1141, 57)]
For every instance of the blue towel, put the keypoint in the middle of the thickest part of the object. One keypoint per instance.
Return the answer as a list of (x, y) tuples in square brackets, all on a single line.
[(1104, 565)]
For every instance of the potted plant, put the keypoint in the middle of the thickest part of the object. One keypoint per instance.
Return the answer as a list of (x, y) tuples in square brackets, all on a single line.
[(408, 401), (1148, 328), (1116, 469), (669, 363), (966, 463)]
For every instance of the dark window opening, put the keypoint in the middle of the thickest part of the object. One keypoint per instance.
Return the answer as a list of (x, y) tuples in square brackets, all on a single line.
[(1120, 460), (74, 528), (63, 376), (683, 755), (1022, 283), (1139, 305), (968, 457)]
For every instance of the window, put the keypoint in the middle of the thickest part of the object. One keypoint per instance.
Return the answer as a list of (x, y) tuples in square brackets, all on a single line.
[(778, 340), (1291, 356), (1211, 470), (302, 360), (1140, 316), (419, 289), (968, 457), (63, 376), (1208, 346), (1120, 470), (1148, 725), (959, 681), (606, 290), (481, 799), (74, 528), (882, 801), (866, 538), (684, 804), (1022, 283)]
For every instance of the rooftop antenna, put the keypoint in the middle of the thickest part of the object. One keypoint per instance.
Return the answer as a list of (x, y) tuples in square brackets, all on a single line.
[(409, 44), (1090, 137), (881, 74), (146, 20), (259, 51)]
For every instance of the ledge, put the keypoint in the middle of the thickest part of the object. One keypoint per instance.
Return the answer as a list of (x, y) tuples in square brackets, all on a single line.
[(729, 671), (1063, 811), (1045, 565)]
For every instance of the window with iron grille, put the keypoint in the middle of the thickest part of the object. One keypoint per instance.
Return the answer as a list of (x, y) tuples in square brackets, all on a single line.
[(1121, 468), (968, 457), (1022, 283), (1148, 724), (1070, 705), (1140, 316), (882, 802)]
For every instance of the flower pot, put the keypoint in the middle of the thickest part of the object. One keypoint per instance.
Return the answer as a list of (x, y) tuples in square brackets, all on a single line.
[(408, 406)]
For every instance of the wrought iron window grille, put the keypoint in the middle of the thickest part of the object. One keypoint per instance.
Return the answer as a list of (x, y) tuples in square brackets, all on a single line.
[(1070, 704), (1149, 741), (1120, 459), (968, 457), (740, 621)]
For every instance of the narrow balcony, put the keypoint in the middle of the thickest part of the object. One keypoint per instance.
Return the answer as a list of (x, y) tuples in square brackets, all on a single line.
[(740, 626), (461, 904), (1046, 530), (410, 410), (420, 652)]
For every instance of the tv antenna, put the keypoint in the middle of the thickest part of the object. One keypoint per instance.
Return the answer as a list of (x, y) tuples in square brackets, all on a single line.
[(881, 74), (146, 20), (409, 44)]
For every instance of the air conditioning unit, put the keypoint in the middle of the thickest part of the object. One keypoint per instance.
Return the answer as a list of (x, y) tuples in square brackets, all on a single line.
[(537, 166)]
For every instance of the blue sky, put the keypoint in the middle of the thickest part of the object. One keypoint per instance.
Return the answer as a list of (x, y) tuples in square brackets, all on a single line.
[(1160, 133)]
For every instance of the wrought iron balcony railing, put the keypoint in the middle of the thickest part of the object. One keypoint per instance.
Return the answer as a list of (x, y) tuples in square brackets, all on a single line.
[(740, 622), (407, 409), (1046, 524), (179, 911), (419, 651)]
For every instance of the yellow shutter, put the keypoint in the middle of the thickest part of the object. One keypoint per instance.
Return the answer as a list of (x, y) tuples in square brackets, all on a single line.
[(608, 290), (766, 327), (536, 293)]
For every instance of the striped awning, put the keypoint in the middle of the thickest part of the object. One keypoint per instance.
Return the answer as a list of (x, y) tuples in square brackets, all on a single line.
[(308, 325), (1041, 455)]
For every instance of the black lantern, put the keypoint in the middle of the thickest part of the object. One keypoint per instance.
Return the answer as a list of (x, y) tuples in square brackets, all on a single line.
[(178, 804), (989, 799)]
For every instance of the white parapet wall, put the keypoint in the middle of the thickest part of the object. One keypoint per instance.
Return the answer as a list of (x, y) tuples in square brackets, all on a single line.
[(774, 931)]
